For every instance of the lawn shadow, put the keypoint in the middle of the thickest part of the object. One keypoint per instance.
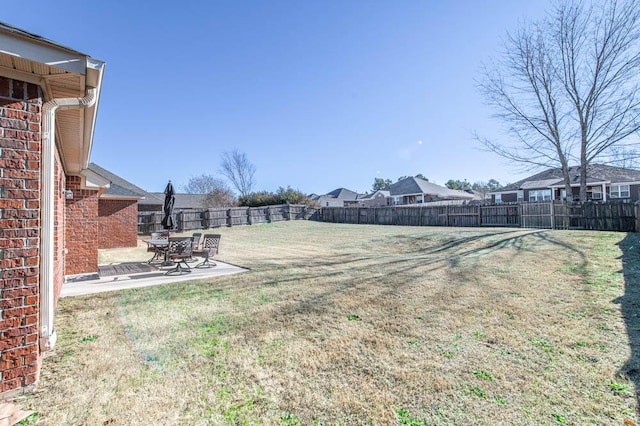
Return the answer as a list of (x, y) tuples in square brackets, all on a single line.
[(630, 307)]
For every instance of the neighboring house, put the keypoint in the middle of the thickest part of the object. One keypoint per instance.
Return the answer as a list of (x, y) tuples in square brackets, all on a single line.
[(117, 210), (49, 96), (380, 198), (603, 183), (340, 197), (414, 190)]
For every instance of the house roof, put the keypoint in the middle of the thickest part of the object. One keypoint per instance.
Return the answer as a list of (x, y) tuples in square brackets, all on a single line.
[(413, 185), (595, 173), (384, 193), (118, 188), (342, 194), (61, 72)]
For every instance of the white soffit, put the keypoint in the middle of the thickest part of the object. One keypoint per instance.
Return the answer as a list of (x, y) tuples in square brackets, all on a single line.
[(94, 180)]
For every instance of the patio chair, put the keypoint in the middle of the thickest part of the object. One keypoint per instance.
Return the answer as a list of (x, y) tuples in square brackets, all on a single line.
[(210, 247), (179, 251), (197, 237)]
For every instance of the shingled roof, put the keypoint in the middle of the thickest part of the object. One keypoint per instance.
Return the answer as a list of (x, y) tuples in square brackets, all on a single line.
[(119, 187), (413, 186), (342, 194), (596, 173)]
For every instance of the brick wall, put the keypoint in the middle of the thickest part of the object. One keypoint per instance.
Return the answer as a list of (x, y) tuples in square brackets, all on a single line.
[(117, 223), (81, 229), (20, 154)]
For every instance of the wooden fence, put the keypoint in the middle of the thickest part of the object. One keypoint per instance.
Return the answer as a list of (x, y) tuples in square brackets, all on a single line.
[(604, 216), (191, 219)]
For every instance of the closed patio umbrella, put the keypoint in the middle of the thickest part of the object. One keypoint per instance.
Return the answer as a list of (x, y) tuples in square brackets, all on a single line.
[(168, 221)]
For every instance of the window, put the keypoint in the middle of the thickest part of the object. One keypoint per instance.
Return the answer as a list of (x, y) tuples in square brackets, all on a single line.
[(520, 196), (498, 198), (595, 193), (620, 191), (540, 195)]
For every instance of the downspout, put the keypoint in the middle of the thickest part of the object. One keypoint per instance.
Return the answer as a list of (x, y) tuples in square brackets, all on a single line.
[(47, 332)]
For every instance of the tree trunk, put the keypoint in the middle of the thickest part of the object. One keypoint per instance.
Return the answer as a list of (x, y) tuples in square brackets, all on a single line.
[(583, 168), (565, 177)]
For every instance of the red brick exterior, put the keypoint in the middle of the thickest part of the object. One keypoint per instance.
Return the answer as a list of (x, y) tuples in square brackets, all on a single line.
[(117, 223), (81, 233), (20, 156)]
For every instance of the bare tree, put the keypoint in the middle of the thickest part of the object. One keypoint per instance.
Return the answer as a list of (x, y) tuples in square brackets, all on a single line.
[(567, 86), (626, 157), (236, 167), (218, 194)]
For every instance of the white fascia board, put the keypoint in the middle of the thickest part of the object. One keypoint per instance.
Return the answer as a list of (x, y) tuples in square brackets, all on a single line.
[(119, 197), (626, 183), (512, 191), (577, 185), (43, 53), (95, 73)]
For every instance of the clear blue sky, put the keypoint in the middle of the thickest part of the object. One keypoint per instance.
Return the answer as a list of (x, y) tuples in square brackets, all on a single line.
[(319, 94)]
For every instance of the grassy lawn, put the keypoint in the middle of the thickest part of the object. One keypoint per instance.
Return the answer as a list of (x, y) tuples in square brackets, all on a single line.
[(349, 325)]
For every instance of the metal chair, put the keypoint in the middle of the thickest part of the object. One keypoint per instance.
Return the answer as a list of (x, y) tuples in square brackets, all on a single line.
[(210, 247), (197, 237), (179, 250)]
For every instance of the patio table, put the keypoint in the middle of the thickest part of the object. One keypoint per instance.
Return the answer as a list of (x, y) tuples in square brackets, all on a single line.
[(159, 247)]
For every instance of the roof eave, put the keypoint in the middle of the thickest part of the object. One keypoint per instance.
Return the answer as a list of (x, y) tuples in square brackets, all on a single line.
[(95, 73), (28, 57), (120, 197)]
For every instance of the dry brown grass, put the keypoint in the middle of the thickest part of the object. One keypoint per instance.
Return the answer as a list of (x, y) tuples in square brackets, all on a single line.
[(345, 324)]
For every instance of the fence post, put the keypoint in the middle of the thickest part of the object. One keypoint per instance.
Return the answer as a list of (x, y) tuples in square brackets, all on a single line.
[(249, 216), (446, 211), (420, 216), (229, 221), (637, 214), (179, 220), (552, 216), (206, 217), (288, 211)]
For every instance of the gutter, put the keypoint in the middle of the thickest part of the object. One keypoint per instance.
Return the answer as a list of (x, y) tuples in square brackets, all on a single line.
[(47, 302)]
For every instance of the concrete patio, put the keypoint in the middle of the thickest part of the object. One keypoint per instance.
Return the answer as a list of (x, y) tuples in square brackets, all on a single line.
[(121, 276)]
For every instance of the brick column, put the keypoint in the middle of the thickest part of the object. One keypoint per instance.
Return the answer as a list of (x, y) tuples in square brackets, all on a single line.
[(20, 152), (81, 233)]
